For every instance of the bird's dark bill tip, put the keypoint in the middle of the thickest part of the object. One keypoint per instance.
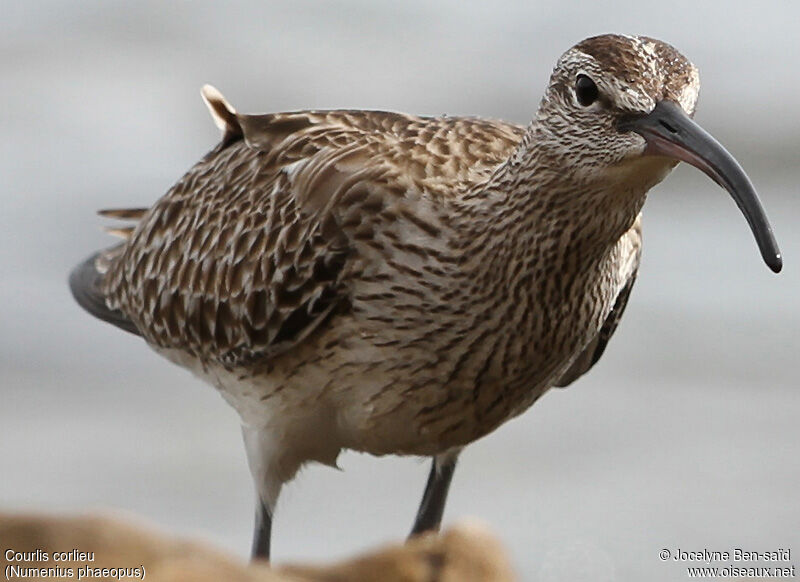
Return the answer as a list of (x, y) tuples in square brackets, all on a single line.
[(775, 263)]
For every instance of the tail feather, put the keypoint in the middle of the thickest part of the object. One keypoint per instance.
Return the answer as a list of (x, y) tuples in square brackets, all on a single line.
[(123, 213), (124, 233), (85, 283)]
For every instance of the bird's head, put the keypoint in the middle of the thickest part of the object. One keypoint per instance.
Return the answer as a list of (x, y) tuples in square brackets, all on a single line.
[(618, 110)]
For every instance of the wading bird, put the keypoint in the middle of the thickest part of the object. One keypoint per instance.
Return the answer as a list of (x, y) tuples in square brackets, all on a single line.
[(397, 284)]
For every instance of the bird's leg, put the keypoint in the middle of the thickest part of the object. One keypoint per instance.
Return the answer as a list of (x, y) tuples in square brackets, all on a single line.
[(262, 532), (268, 481), (429, 516)]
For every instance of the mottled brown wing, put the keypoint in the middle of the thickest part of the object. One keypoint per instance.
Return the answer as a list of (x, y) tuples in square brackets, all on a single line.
[(250, 251), (592, 352), (228, 265)]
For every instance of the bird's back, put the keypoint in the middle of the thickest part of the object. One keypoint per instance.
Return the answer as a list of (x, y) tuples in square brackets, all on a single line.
[(253, 248)]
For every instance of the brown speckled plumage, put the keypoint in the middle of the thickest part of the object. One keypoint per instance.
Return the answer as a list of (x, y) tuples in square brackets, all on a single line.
[(256, 245), (390, 283)]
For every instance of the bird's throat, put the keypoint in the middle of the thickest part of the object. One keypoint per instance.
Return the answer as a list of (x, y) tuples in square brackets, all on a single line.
[(538, 219)]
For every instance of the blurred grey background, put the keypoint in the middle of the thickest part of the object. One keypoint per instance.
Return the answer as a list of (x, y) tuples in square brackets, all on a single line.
[(686, 434)]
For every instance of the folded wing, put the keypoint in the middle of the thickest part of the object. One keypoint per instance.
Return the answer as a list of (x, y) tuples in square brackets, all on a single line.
[(253, 248)]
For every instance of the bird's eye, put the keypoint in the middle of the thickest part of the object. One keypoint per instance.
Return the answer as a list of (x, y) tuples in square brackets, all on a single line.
[(585, 90)]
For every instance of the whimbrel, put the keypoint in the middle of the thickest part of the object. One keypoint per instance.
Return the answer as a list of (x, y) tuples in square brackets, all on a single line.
[(397, 284)]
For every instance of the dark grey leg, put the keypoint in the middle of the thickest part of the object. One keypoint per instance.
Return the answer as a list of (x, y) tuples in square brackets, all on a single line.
[(431, 508), (262, 532), (260, 458)]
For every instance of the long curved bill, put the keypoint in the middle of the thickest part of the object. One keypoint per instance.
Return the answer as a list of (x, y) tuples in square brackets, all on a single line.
[(670, 132)]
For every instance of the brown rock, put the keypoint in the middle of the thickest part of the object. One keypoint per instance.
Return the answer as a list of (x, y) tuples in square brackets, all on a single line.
[(48, 547)]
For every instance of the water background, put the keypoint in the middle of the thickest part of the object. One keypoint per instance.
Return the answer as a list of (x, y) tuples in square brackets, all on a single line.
[(685, 435)]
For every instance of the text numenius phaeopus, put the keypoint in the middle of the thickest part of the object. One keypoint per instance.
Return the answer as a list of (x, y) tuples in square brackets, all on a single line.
[(397, 284)]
